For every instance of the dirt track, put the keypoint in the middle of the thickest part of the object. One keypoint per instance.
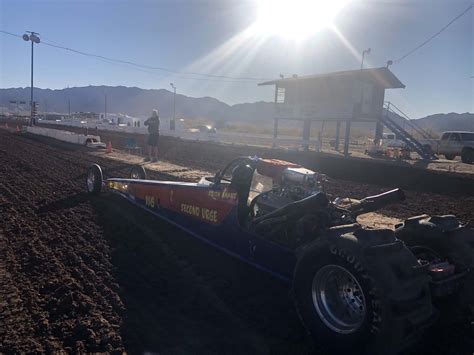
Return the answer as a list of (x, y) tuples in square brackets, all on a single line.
[(87, 274)]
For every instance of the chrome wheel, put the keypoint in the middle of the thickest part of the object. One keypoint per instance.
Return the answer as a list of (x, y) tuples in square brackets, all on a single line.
[(338, 299), (91, 180)]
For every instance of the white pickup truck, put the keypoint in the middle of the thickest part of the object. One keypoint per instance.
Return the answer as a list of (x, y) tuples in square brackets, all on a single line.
[(453, 144), (390, 140), (387, 144)]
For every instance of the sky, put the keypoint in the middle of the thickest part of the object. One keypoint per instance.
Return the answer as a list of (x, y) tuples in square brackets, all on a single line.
[(212, 37)]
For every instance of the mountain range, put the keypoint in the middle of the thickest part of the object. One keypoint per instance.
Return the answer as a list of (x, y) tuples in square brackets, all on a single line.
[(140, 102)]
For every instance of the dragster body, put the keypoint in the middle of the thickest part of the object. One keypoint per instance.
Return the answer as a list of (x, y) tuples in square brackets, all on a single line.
[(207, 211), (354, 287)]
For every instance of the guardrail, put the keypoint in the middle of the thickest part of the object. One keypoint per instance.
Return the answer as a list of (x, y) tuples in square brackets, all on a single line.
[(223, 137), (64, 136)]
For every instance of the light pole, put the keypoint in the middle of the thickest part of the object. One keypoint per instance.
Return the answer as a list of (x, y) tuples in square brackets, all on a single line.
[(68, 104), (173, 121), (366, 51), (33, 38), (105, 108)]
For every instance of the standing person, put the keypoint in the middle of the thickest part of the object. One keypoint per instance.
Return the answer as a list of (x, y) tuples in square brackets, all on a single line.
[(153, 124)]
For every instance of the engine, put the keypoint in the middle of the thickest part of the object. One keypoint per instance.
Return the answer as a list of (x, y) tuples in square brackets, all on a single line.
[(295, 210), (295, 184)]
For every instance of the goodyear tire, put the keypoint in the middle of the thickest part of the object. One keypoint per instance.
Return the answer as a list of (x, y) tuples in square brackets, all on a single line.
[(332, 331), (138, 172), (467, 156), (94, 179), (351, 307)]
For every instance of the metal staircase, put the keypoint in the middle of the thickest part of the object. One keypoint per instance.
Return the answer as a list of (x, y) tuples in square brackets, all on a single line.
[(389, 119)]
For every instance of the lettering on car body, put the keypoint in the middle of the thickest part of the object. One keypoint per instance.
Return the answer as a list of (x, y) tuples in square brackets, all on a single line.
[(207, 214), (222, 195), (150, 201)]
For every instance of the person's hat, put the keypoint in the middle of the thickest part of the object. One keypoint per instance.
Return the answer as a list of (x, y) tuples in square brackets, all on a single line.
[(154, 112)]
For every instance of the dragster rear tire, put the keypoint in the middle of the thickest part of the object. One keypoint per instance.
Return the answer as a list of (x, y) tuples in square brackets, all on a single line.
[(94, 179), (315, 322), (138, 172), (387, 309)]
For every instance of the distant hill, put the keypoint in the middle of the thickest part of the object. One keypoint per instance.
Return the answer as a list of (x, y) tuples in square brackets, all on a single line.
[(139, 103), (448, 122), (136, 102)]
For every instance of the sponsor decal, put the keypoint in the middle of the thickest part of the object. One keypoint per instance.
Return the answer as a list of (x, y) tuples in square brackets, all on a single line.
[(222, 195), (206, 214)]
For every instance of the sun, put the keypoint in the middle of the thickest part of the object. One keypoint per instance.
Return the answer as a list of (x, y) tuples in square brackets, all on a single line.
[(295, 19)]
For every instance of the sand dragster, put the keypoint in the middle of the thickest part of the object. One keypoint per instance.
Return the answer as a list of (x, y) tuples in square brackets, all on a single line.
[(353, 287)]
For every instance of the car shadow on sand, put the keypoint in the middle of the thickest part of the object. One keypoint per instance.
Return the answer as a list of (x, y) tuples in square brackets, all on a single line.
[(63, 203), (183, 296)]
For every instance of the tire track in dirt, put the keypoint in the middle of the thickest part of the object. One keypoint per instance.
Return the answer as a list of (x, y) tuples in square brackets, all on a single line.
[(52, 260), (16, 325)]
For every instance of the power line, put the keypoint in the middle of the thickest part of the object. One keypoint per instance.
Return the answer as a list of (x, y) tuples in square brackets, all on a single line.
[(143, 66), (11, 34), (435, 35), (134, 66)]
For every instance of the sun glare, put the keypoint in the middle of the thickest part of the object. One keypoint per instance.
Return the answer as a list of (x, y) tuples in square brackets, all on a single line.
[(295, 19)]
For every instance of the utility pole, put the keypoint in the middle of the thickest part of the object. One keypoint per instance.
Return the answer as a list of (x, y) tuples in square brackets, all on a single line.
[(33, 38), (105, 113), (173, 121)]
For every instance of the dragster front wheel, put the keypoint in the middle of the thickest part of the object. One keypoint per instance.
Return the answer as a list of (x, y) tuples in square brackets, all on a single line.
[(138, 172), (94, 179)]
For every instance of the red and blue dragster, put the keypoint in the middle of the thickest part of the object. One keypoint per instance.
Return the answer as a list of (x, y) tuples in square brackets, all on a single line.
[(373, 289)]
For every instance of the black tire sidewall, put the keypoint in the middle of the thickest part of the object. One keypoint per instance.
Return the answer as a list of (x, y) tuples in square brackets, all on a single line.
[(97, 181)]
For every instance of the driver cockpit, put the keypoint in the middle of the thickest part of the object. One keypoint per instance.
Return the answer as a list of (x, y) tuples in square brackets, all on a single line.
[(265, 185)]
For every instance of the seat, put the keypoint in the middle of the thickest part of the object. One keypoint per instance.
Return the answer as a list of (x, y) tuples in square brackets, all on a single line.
[(131, 146)]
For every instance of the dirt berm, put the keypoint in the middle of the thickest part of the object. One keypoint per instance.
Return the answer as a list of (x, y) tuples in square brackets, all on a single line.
[(372, 171)]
